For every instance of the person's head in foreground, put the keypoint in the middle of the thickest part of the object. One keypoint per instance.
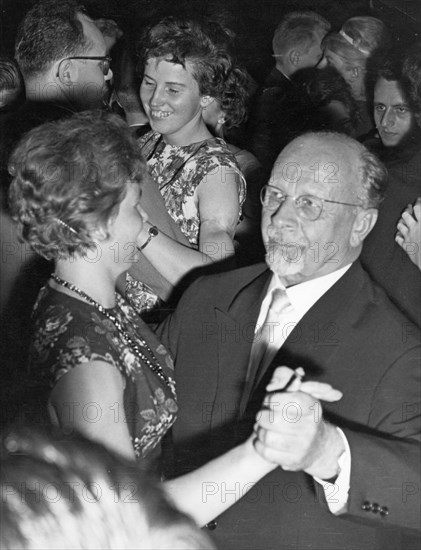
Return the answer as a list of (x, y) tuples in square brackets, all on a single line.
[(71, 493), (319, 206), (76, 189)]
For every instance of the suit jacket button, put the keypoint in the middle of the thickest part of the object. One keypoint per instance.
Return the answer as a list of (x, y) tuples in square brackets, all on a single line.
[(384, 511), (212, 525), (375, 508), (366, 506)]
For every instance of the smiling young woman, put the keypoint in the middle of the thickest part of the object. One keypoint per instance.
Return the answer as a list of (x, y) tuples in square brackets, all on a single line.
[(185, 66)]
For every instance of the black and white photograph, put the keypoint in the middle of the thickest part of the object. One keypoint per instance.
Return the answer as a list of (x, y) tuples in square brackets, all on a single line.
[(210, 274)]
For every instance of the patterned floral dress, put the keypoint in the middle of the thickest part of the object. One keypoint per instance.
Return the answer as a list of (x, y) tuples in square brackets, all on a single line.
[(69, 332), (178, 171)]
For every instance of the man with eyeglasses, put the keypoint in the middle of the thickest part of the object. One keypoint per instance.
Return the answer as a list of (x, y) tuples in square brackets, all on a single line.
[(62, 57), (349, 470)]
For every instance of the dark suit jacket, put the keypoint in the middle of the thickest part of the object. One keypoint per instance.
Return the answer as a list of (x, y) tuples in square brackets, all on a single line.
[(353, 338), (386, 262)]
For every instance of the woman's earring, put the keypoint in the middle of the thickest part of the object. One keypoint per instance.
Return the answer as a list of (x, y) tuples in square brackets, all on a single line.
[(206, 98)]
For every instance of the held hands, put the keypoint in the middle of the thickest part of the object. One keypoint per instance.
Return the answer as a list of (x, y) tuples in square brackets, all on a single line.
[(409, 232), (290, 430)]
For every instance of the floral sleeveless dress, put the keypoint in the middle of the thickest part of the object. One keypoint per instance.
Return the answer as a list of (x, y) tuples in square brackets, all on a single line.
[(69, 332), (178, 171)]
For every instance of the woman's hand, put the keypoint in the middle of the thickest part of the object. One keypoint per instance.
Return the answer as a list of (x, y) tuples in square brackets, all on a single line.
[(409, 232)]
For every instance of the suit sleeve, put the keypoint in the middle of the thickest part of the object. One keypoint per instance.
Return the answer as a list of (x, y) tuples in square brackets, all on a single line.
[(385, 459)]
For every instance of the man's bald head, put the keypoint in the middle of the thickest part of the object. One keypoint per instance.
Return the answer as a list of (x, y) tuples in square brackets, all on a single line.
[(346, 160), (320, 205)]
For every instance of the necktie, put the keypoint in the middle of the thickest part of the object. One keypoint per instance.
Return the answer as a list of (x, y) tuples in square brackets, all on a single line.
[(267, 335)]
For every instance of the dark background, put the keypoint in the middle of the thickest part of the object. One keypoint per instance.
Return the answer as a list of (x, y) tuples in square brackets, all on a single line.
[(253, 20)]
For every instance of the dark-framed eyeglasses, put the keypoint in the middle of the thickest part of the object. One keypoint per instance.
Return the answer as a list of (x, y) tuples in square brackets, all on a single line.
[(308, 207), (106, 62)]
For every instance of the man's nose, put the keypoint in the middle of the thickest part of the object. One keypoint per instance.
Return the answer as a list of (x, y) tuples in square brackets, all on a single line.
[(286, 211), (388, 118)]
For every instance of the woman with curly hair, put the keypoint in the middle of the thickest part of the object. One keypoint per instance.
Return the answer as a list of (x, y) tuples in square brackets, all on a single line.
[(185, 67), (96, 368)]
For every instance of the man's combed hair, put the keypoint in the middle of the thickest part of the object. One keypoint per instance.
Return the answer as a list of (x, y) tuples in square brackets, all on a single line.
[(49, 31), (71, 174), (205, 45), (298, 29)]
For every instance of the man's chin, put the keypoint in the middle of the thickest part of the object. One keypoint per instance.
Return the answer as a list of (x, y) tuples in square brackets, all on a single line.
[(282, 266)]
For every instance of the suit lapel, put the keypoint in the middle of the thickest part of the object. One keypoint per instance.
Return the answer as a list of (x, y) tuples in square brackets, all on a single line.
[(318, 337), (236, 323)]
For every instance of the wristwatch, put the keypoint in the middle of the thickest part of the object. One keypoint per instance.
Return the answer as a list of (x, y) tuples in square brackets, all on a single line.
[(152, 232)]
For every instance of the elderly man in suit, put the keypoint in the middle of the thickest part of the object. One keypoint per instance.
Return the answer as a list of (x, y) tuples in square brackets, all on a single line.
[(349, 471)]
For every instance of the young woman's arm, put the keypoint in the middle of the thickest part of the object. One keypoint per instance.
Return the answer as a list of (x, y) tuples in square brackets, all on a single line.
[(219, 207)]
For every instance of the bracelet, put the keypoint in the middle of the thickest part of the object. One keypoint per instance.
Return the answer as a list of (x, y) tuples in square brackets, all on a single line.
[(153, 232)]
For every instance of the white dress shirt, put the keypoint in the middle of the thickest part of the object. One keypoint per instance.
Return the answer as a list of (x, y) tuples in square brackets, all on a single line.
[(302, 297)]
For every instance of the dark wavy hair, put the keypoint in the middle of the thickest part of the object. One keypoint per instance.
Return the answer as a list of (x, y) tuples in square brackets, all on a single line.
[(411, 73), (49, 31), (235, 97), (63, 491), (69, 176), (320, 87), (206, 45)]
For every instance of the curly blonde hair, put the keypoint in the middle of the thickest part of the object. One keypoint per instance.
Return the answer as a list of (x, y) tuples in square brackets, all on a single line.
[(70, 176)]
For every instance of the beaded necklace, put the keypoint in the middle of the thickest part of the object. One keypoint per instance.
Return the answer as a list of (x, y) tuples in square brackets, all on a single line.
[(154, 366)]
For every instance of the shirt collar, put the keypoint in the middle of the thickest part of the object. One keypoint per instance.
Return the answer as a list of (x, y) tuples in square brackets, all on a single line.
[(304, 295)]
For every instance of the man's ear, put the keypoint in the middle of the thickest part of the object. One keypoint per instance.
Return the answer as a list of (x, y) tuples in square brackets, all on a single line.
[(364, 222), (206, 100), (294, 57), (65, 71)]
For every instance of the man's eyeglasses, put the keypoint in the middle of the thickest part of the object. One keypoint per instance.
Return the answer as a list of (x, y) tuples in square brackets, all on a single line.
[(308, 207), (106, 62)]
